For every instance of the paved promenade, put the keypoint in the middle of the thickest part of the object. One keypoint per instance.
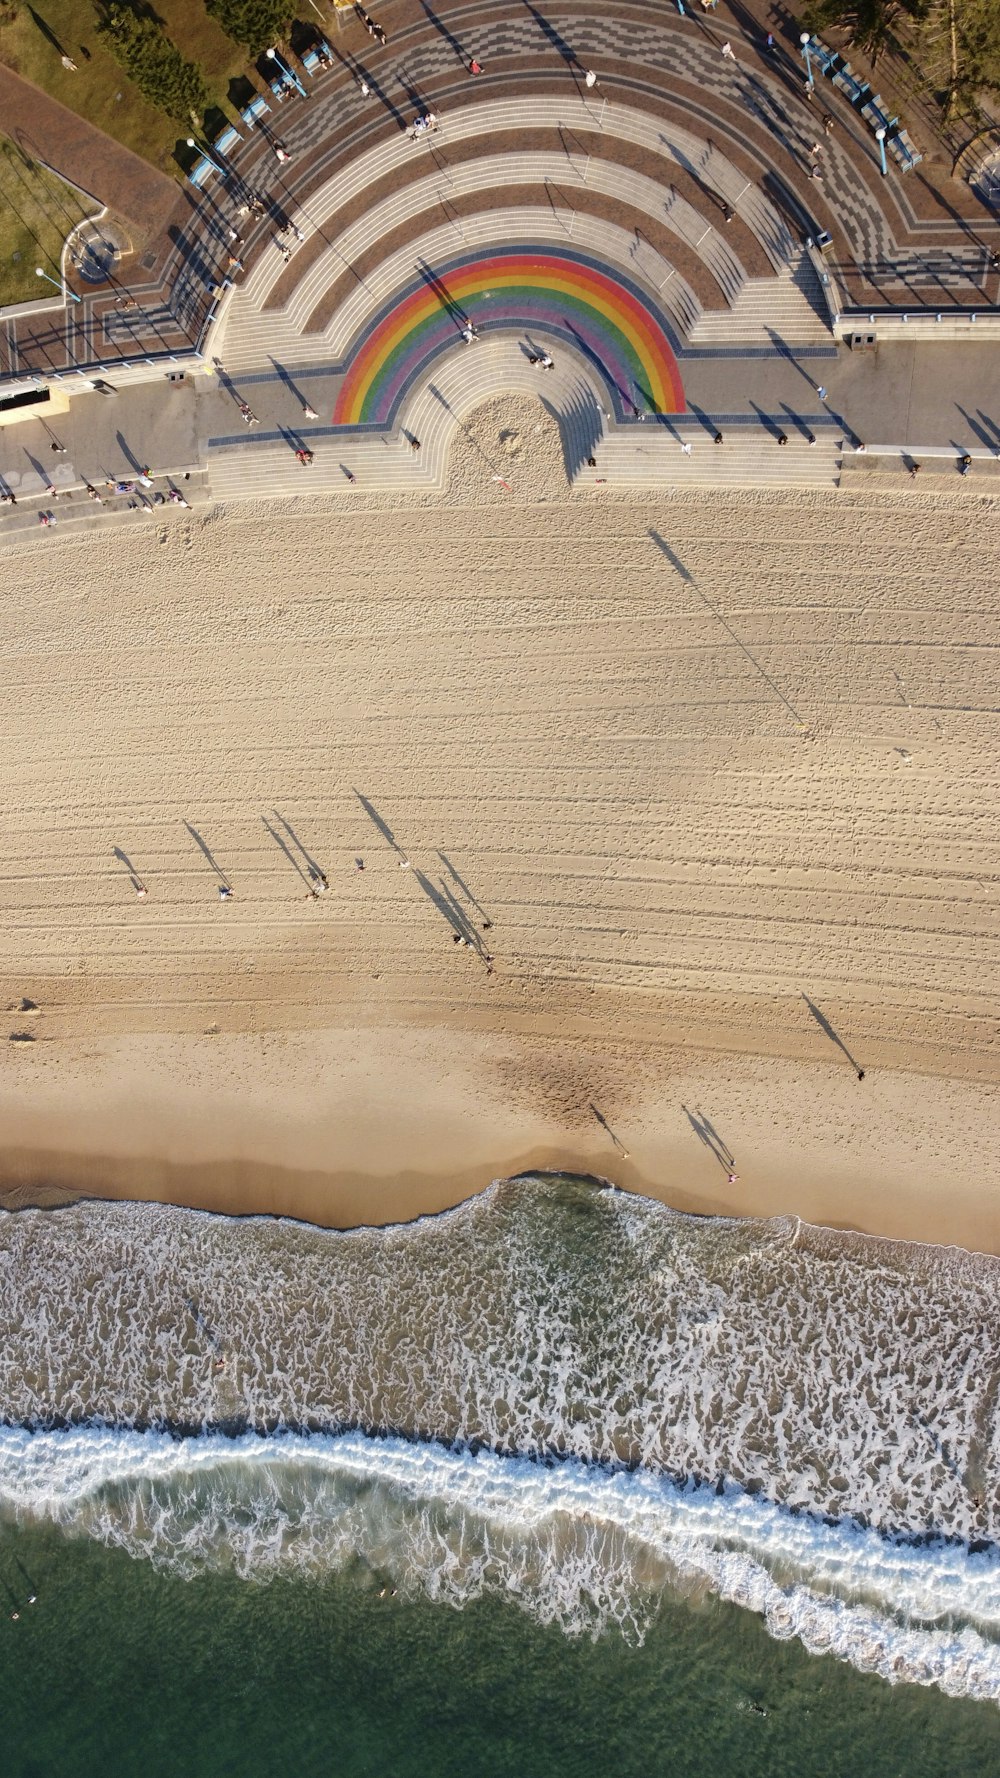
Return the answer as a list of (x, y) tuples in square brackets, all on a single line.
[(652, 231)]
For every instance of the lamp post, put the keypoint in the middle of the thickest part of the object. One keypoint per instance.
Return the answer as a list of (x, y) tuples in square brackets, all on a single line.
[(58, 284), (285, 69), (880, 139), (209, 156), (805, 41)]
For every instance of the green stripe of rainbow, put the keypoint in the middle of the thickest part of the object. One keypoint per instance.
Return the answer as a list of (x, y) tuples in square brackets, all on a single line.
[(564, 293)]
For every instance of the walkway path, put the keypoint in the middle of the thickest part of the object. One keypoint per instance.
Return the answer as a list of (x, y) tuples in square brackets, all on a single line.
[(656, 67)]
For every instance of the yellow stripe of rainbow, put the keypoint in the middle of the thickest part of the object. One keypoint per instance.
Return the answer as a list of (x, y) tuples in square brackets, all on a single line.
[(549, 290)]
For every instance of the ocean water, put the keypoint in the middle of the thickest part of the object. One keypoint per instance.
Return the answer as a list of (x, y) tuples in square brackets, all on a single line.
[(556, 1479)]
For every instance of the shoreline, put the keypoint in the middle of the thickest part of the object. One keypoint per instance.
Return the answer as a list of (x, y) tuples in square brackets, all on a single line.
[(237, 1137)]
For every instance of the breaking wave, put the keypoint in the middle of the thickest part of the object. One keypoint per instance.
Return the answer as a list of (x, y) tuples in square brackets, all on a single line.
[(556, 1393)]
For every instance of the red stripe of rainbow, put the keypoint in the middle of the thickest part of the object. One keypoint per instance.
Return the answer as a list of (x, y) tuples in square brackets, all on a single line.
[(530, 288)]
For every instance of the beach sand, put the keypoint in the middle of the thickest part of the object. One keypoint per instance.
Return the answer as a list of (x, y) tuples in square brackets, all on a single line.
[(729, 799)]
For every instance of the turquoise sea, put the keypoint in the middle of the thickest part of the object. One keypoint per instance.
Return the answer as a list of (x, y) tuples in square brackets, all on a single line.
[(558, 1482)]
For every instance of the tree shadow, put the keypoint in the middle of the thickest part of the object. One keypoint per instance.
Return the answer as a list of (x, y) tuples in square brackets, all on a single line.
[(826, 1027)]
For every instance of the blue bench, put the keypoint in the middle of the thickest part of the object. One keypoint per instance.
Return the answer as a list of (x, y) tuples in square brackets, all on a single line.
[(229, 140), (255, 109), (903, 151), (827, 58), (202, 171)]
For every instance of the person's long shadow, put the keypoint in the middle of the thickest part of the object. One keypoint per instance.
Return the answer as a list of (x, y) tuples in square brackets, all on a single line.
[(464, 887), (46, 30), (383, 826), (439, 25), (767, 421), (709, 1135), (784, 349), (448, 908), (826, 1027), (315, 873), (602, 1120), (287, 380), (285, 848), (437, 284), (796, 420), (203, 846), (42, 474), (124, 858), (980, 431), (678, 566), (460, 920), (558, 43), (129, 456)]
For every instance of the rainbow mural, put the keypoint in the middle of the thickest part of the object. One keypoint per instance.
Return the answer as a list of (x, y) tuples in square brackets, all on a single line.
[(556, 292)]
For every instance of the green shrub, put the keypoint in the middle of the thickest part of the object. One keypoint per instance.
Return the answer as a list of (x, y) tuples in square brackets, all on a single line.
[(154, 63), (254, 23)]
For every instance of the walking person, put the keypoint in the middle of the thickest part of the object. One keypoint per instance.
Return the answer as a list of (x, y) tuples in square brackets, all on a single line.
[(309, 413), (686, 448), (414, 444), (590, 78), (727, 51)]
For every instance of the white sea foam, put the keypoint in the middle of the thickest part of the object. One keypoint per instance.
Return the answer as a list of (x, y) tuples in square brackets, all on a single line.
[(808, 1376), (575, 1545)]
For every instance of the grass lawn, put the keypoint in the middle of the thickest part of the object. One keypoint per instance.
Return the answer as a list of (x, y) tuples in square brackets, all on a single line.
[(38, 212), (32, 41)]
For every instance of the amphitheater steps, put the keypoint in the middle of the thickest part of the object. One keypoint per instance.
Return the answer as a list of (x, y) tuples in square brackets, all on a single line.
[(789, 304)]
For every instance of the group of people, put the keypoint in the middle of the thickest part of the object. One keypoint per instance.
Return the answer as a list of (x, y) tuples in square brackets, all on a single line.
[(375, 32)]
